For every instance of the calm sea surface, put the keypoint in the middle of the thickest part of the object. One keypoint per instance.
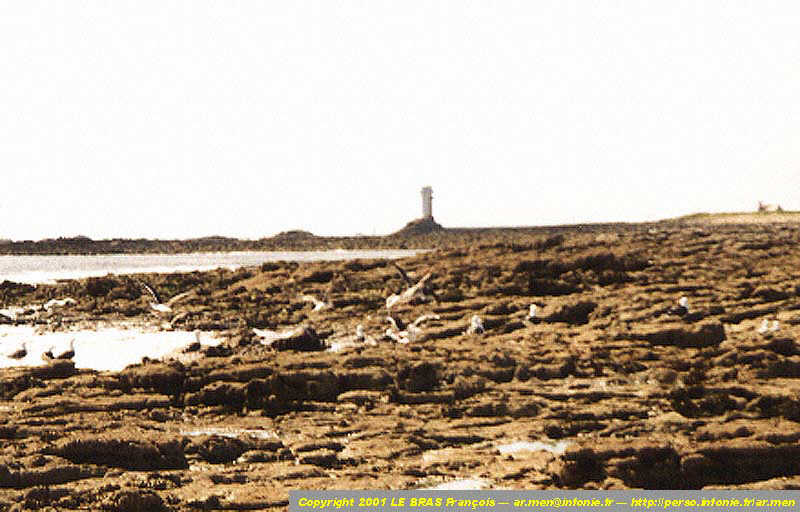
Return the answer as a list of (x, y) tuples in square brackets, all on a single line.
[(48, 269)]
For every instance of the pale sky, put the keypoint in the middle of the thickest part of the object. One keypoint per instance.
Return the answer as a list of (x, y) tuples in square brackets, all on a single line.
[(164, 119)]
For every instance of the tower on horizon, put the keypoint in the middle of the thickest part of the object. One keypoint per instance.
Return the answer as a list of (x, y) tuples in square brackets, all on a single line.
[(427, 203)]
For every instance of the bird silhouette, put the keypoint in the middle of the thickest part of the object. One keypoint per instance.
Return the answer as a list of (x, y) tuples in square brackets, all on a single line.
[(416, 291), (21, 352), (157, 304), (67, 354)]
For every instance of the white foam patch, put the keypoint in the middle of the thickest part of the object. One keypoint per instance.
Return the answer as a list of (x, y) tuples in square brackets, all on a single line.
[(534, 446), (465, 484), (102, 349), (230, 432)]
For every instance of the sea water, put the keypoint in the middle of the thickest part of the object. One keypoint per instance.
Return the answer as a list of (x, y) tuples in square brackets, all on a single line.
[(39, 269)]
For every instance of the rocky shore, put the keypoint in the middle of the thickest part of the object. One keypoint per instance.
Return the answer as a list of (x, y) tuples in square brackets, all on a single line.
[(612, 384)]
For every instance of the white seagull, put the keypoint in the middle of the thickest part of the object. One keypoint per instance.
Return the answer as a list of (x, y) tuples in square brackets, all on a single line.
[(682, 308), (475, 325), (397, 324), (424, 318), (318, 304), (157, 304), (56, 303), (766, 327), (402, 333), (410, 334), (396, 337), (410, 294)]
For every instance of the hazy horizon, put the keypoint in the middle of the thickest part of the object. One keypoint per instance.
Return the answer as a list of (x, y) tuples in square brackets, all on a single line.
[(178, 119)]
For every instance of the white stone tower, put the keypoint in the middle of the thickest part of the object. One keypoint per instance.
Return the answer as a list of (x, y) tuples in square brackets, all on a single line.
[(427, 203)]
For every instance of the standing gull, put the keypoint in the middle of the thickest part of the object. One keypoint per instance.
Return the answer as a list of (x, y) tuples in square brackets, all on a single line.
[(67, 354), (475, 325), (21, 352), (682, 308), (532, 314)]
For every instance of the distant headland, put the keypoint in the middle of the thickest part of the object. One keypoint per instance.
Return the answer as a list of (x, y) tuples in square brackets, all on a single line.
[(421, 233)]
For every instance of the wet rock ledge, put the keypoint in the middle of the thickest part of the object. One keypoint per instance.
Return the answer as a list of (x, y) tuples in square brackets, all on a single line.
[(612, 384)]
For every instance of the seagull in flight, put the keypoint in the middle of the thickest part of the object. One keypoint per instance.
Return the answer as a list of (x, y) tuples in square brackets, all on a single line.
[(414, 292), (397, 323), (318, 304), (157, 304), (425, 318), (410, 334)]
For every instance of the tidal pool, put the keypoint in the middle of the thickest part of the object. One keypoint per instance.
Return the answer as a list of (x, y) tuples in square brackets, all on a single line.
[(102, 349)]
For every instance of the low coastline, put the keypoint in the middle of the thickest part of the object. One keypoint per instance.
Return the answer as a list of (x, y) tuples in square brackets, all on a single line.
[(417, 234)]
